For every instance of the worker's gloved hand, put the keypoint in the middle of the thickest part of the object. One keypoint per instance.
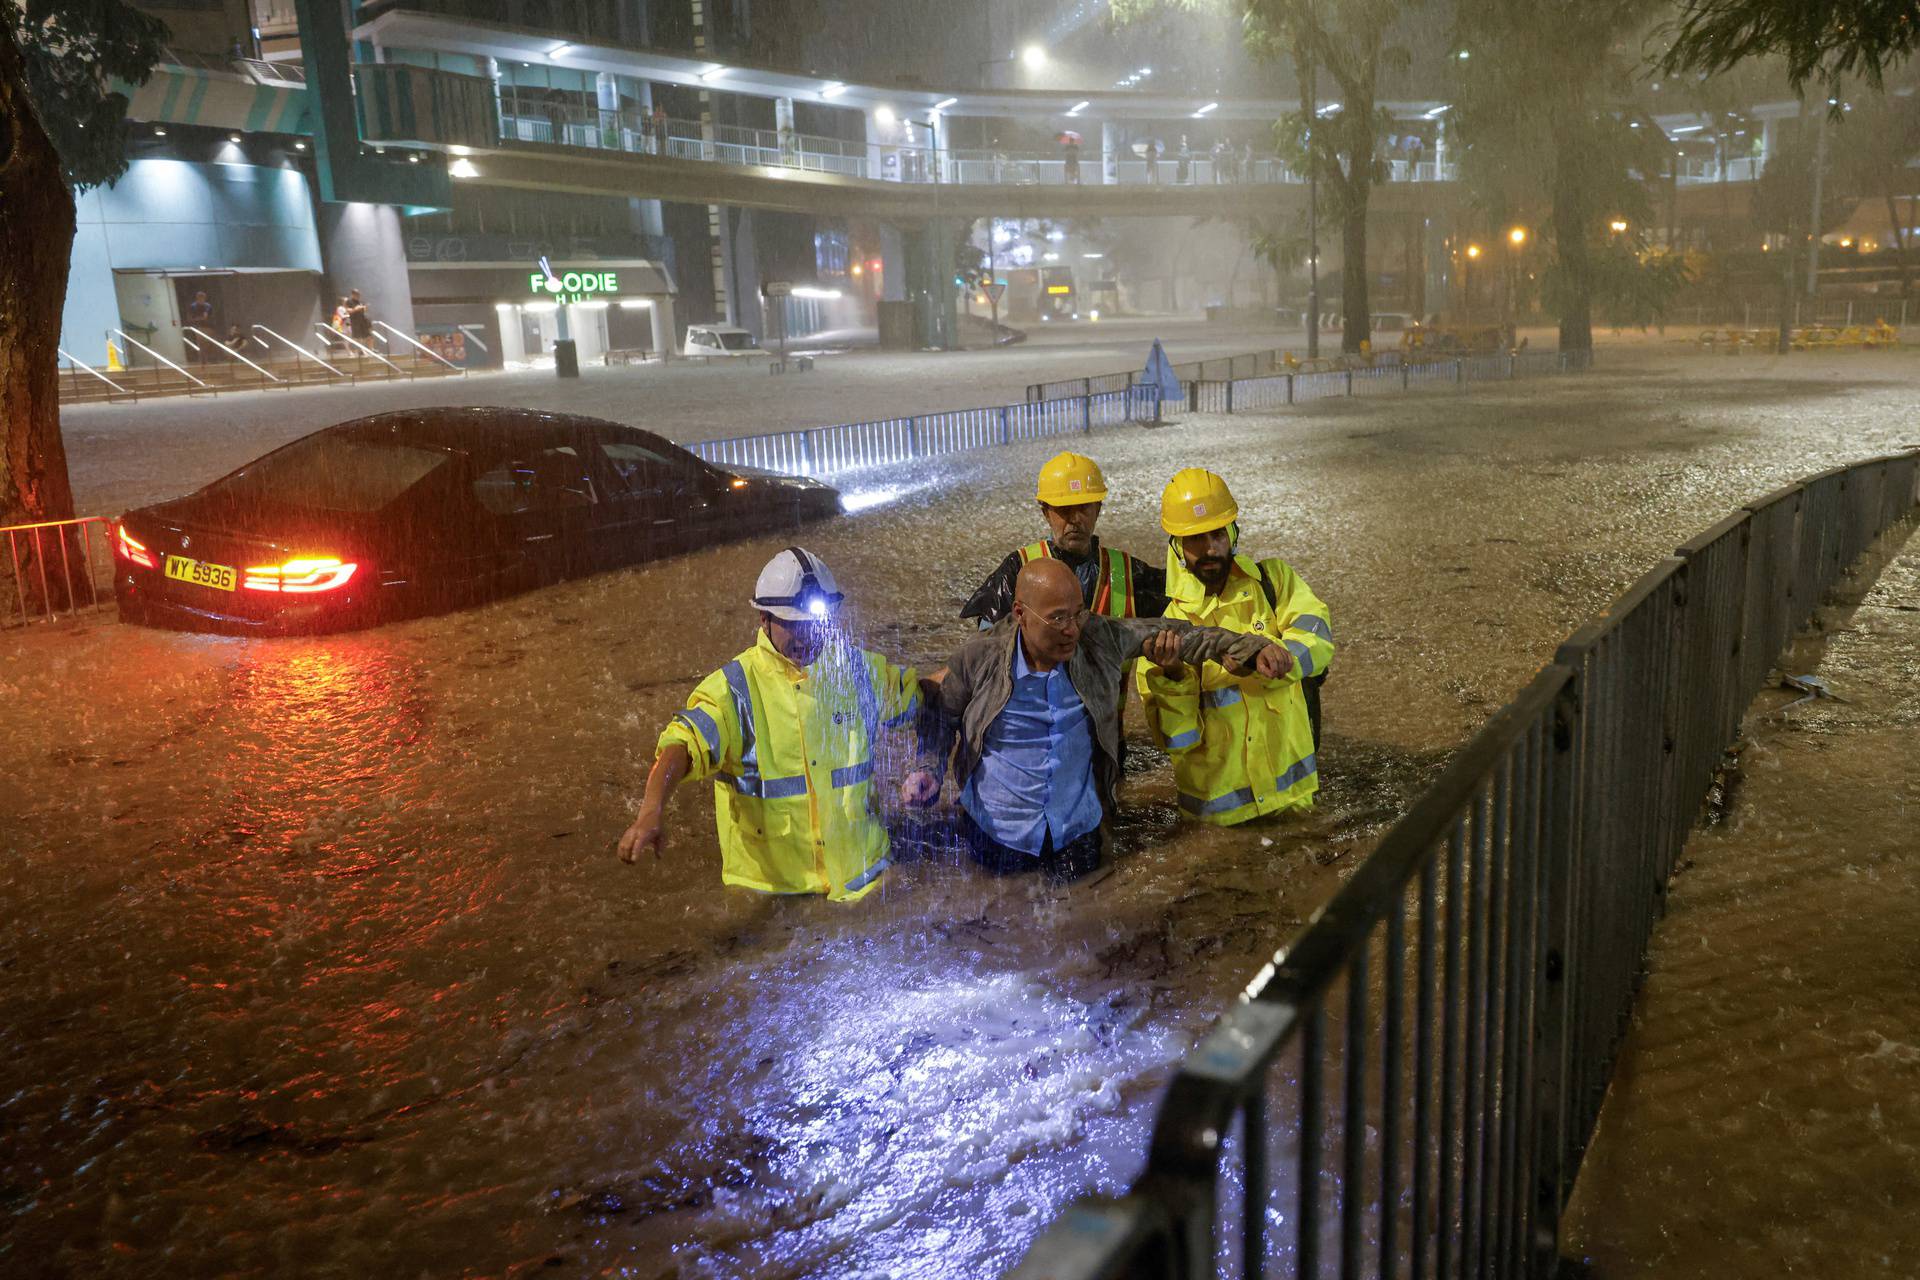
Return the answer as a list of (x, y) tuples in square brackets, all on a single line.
[(919, 789), (1162, 649), (648, 833), (1274, 661)]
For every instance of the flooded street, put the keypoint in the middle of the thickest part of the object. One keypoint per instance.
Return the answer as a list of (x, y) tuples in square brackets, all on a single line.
[(1763, 1118), (318, 955)]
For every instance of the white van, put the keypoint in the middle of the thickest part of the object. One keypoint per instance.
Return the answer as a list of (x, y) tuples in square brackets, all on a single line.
[(720, 341)]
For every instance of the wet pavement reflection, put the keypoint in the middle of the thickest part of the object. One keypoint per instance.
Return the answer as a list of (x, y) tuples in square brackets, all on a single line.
[(318, 956)]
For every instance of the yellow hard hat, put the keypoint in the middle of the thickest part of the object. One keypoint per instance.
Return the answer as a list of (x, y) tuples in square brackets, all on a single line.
[(1071, 480), (1196, 501)]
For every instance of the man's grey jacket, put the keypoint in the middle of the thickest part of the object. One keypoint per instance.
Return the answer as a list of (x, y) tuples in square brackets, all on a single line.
[(979, 683)]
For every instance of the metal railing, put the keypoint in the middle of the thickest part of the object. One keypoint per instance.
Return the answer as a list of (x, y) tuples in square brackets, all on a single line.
[(822, 451), (536, 117), (61, 568), (78, 389), (1410, 1085), (422, 347), (231, 352), (158, 360)]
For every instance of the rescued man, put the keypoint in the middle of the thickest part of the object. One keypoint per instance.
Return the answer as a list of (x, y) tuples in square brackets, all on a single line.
[(1242, 746), (1070, 491), (1035, 706), (787, 732)]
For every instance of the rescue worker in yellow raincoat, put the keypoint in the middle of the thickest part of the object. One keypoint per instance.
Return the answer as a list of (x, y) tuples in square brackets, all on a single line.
[(787, 732), (1242, 746), (1114, 584)]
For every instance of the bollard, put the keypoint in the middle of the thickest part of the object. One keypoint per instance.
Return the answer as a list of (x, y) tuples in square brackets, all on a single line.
[(1086, 410), (1289, 388), (806, 453), (1405, 376), (913, 437), (1349, 382), (1006, 429), (1193, 396), (1229, 395), (1459, 371)]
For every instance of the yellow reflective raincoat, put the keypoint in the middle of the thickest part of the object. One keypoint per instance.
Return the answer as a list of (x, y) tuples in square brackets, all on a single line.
[(790, 750), (1241, 747)]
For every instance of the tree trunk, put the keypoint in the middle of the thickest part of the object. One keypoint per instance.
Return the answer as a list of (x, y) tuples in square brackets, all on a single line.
[(1570, 221), (1899, 241), (1357, 324), (36, 242)]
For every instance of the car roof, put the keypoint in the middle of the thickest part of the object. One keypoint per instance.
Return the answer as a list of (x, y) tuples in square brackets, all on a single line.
[(475, 428), (717, 328)]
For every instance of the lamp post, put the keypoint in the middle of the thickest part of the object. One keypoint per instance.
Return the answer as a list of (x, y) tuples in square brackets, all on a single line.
[(1033, 57), (1517, 238), (1466, 282)]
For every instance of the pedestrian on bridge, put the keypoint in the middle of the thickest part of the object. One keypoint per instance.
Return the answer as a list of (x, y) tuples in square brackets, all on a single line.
[(787, 731), (1030, 713), (1242, 745), (1070, 492)]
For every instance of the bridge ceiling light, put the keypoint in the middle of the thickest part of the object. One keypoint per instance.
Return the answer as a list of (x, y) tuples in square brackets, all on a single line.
[(944, 103), (833, 90), (1202, 111), (463, 168), (711, 74), (1079, 106)]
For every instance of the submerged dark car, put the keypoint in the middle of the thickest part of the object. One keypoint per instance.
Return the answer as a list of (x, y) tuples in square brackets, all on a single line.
[(425, 510)]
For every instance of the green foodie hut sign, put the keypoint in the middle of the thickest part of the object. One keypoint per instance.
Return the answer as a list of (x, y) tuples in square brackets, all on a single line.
[(574, 286)]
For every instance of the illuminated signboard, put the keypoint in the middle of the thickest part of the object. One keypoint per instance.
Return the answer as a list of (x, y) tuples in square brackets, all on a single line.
[(1059, 288), (574, 286)]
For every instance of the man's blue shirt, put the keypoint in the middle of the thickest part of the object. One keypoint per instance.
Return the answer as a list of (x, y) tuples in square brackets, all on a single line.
[(1035, 776)]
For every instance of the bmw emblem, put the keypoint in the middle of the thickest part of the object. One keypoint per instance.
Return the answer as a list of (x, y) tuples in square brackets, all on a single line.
[(185, 542)]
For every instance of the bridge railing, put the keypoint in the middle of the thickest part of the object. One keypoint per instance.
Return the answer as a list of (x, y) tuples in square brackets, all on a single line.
[(534, 116), (1410, 1085)]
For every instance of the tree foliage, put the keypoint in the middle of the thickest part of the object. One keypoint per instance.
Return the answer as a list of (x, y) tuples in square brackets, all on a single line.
[(1827, 39), (1347, 43), (73, 51), (1544, 108)]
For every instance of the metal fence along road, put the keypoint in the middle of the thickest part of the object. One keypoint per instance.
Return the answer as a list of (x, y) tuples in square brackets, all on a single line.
[(821, 451), (61, 568), (1409, 1086)]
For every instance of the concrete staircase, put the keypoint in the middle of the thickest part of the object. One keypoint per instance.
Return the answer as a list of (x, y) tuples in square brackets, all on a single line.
[(147, 379)]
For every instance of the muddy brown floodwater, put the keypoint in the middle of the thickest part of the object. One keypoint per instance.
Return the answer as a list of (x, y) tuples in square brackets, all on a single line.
[(318, 958)]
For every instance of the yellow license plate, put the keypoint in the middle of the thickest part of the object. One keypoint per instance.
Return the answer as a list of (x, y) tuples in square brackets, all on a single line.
[(200, 573)]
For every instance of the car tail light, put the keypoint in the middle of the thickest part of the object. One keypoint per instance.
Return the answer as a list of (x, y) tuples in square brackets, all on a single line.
[(300, 577), (131, 548)]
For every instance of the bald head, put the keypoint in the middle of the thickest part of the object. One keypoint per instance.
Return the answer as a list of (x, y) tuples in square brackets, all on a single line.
[(1046, 585), (1048, 608)]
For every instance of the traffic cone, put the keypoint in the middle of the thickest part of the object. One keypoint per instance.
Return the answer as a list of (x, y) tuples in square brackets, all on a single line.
[(113, 360)]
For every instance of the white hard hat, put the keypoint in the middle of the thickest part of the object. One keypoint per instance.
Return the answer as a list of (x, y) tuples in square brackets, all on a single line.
[(797, 586)]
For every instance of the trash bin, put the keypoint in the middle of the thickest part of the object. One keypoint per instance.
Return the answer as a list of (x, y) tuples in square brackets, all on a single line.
[(566, 358)]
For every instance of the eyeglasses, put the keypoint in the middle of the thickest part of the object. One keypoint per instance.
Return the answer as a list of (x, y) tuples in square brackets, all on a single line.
[(1066, 623)]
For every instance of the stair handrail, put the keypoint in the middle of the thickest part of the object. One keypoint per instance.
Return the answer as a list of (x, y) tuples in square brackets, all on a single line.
[(301, 351), (423, 346), (77, 362), (162, 359), (235, 354), (359, 346)]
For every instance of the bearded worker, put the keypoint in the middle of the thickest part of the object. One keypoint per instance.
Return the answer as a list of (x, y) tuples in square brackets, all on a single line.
[(1241, 746)]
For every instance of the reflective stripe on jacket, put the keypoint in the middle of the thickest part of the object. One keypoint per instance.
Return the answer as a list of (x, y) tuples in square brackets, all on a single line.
[(790, 752), (1114, 595), (1241, 747)]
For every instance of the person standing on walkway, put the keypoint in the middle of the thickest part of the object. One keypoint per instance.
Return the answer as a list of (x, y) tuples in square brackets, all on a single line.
[(1072, 152), (1030, 713), (1183, 167), (359, 319), (787, 731), (200, 316), (1071, 490), (1241, 746)]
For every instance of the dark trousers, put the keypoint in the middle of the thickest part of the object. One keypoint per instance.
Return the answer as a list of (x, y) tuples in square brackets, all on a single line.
[(1076, 858), (1311, 687)]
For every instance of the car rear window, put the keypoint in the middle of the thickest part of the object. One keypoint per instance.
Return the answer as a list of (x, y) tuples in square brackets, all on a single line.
[(736, 341), (330, 473)]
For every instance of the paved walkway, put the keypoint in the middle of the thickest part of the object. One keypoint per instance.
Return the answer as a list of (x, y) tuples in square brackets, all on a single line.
[(1765, 1116)]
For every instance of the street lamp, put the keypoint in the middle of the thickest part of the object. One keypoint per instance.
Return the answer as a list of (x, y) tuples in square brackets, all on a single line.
[(1617, 225), (1033, 58), (1517, 237)]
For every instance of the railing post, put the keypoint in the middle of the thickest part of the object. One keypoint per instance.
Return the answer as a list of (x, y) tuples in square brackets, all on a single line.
[(913, 437), (1289, 388), (806, 453), (1552, 976), (1086, 409), (1509, 366), (1229, 395), (1349, 382), (1405, 377), (1006, 427), (1193, 396), (1459, 370)]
